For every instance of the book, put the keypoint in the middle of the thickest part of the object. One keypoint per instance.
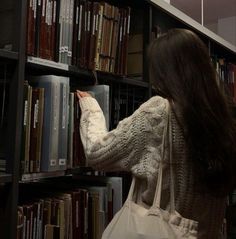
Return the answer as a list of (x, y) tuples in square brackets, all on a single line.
[(26, 128), (36, 129), (63, 123), (55, 114)]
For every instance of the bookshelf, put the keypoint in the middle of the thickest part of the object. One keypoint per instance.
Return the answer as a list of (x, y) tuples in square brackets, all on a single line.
[(145, 14), (188, 21), (5, 178), (8, 55)]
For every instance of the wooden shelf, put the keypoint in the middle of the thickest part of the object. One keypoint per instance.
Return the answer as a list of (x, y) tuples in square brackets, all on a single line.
[(5, 178), (8, 54)]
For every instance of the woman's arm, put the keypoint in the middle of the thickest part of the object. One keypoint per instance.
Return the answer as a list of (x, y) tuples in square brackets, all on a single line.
[(122, 147)]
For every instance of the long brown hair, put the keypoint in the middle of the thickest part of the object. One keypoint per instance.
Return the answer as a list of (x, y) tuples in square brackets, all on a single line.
[(181, 70)]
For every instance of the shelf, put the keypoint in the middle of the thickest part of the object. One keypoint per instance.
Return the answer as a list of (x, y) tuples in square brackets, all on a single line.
[(8, 54), (5, 178), (192, 23), (121, 79), (79, 170), (38, 62), (86, 76), (29, 177)]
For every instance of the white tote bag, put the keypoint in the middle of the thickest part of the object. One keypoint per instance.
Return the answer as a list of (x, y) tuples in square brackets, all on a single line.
[(134, 221)]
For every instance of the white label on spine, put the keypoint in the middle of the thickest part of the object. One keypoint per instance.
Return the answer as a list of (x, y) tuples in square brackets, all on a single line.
[(62, 162), (94, 23), (54, 12), (77, 13), (53, 162), (80, 22), (128, 24), (64, 108), (43, 8), (25, 112), (88, 29)]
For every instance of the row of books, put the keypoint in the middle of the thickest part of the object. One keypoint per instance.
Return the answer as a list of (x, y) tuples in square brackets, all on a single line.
[(226, 76), (87, 34), (51, 137), (78, 213)]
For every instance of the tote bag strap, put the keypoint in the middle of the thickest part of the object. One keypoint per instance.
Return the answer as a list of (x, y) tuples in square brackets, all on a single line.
[(157, 197), (172, 188), (166, 140)]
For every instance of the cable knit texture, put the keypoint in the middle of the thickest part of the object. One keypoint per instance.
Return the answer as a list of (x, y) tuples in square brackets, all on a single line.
[(135, 145)]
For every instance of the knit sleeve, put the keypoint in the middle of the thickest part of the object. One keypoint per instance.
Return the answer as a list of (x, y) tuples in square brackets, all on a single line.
[(123, 147)]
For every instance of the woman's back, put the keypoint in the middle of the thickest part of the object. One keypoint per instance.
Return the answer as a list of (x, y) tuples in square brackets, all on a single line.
[(191, 200)]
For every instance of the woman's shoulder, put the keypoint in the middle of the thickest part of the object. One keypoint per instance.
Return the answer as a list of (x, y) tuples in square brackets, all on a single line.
[(156, 104)]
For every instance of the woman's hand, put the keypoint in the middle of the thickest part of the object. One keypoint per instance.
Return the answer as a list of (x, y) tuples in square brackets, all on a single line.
[(82, 94)]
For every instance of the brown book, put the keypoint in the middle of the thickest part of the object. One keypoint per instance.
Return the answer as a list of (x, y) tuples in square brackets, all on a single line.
[(30, 28), (88, 32), (93, 35), (126, 38), (99, 38), (75, 195), (53, 30), (33, 129), (83, 213), (26, 127), (20, 223), (78, 151), (47, 211), (43, 31), (119, 45), (115, 38), (28, 214), (66, 198), (36, 129), (75, 32), (48, 35), (95, 214), (38, 26), (52, 232)]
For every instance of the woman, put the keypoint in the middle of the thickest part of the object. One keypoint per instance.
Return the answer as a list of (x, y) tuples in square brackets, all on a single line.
[(202, 133)]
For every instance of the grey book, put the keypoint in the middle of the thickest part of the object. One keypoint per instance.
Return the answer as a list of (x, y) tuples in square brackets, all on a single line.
[(63, 123)]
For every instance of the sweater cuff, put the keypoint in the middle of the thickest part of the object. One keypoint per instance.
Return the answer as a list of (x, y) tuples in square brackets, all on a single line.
[(89, 103)]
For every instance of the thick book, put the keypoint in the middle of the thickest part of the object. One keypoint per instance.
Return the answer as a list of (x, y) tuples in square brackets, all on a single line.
[(54, 117)]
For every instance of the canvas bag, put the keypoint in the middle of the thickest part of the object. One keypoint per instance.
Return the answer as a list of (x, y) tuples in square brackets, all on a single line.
[(134, 221)]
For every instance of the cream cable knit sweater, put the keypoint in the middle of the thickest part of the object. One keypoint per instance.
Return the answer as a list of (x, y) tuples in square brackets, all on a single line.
[(135, 145)]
